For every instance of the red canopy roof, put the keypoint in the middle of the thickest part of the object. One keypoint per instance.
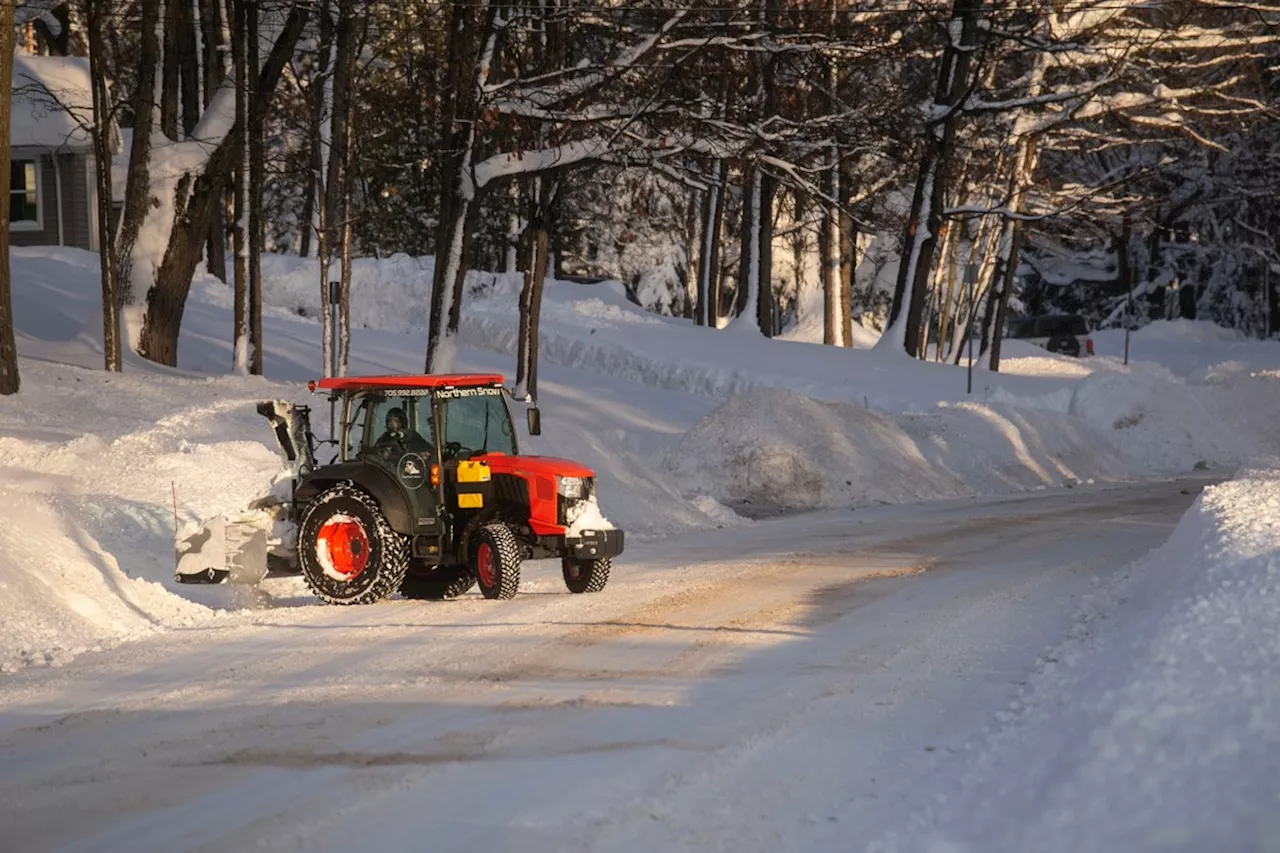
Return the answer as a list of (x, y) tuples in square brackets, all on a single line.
[(369, 383)]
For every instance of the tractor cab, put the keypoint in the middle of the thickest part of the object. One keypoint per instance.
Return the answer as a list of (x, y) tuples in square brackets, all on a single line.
[(427, 493)]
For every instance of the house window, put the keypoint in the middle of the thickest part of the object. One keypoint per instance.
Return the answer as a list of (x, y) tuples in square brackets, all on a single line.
[(24, 195)]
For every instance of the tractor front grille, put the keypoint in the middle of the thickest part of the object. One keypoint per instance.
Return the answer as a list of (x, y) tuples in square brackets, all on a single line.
[(512, 494)]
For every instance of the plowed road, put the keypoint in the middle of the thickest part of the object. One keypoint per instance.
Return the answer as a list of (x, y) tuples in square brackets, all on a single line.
[(792, 685)]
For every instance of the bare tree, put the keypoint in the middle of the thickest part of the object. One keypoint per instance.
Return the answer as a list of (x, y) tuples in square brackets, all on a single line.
[(257, 180), (102, 133), (9, 381), (925, 220), (237, 14)]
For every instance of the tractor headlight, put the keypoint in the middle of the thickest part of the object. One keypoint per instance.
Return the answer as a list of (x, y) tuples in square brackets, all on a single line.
[(571, 488)]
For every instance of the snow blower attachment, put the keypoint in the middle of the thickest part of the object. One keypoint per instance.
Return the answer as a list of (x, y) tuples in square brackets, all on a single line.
[(426, 495)]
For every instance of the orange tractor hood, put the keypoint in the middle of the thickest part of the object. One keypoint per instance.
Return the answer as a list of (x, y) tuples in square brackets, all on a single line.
[(534, 466), (540, 472)]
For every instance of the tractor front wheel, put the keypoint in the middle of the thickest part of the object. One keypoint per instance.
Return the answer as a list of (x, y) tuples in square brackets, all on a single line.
[(496, 555), (348, 552), (586, 575)]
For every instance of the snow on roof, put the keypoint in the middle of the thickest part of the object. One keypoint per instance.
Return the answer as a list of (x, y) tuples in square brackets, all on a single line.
[(52, 102)]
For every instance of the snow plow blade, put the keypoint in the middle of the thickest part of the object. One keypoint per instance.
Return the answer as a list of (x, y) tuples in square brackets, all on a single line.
[(223, 551)]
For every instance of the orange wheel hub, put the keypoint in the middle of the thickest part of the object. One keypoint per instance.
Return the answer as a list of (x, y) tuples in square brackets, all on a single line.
[(347, 546), (484, 565)]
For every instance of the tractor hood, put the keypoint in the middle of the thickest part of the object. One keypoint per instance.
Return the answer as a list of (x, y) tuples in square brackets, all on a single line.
[(540, 472), (534, 466)]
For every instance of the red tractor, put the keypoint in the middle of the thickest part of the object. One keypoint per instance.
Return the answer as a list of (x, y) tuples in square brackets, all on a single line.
[(428, 495)]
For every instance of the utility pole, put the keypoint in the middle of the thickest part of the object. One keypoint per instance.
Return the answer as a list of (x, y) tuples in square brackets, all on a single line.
[(8, 346), (971, 279), (1128, 312), (1271, 299)]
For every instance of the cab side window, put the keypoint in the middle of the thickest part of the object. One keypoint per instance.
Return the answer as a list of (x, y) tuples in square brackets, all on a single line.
[(356, 415)]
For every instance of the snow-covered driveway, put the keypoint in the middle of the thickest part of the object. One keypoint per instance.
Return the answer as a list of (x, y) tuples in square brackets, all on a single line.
[(799, 684)]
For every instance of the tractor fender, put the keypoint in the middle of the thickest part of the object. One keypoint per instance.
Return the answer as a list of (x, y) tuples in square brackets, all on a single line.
[(379, 484)]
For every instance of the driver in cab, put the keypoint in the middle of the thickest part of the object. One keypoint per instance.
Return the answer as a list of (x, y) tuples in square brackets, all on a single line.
[(398, 436)]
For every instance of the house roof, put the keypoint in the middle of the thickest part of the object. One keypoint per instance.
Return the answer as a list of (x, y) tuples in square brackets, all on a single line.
[(52, 103)]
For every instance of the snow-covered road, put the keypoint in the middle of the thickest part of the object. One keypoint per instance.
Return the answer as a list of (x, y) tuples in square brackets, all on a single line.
[(798, 684)]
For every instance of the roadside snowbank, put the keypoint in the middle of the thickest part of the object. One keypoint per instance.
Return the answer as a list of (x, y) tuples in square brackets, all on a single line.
[(89, 467), (772, 450), (1222, 414), (1157, 725)]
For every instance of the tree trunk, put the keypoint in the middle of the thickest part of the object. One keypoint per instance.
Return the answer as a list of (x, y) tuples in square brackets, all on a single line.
[(137, 193), (188, 67), (829, 256), (197, 197), (708, 298), (240, 178), (257, 105), (169, 80), (748, 295), (472, 33), (538, 241), (692, 221), (848, 266), (1006, 288), (213, 58), (767, 313), (511, 261), (102, 149), (337, 190), (9, 381), (925, 219), (313, 204)]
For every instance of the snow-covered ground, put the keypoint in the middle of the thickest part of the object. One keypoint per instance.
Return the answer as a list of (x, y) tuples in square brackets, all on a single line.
[(921, 678), (688, 428), (1155, 724)]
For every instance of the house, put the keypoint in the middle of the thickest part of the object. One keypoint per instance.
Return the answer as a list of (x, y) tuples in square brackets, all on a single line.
[(52, 187)]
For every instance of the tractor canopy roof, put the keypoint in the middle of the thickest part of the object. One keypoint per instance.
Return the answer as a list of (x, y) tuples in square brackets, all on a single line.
[(385, 383)]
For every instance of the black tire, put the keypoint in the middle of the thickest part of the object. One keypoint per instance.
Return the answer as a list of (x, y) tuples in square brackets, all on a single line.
[(384, 563), (1065, 344), (496, 555), (586, 575), (443, 584)]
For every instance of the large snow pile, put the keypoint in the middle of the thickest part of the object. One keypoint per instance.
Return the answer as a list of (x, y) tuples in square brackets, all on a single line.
[(1187, 346), (1222, 415), (1157, 726), (774, 450), (90, 468)]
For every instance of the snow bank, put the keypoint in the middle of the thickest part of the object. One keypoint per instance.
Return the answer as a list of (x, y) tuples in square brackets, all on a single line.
[(772, 450), (1157, 726), (89, 467), (1166, 423)]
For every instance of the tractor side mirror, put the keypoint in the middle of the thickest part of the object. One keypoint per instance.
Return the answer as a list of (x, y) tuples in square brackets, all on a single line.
[(535, 421)]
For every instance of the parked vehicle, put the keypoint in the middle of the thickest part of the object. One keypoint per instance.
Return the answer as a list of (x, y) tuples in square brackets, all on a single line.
[(1067, 334)]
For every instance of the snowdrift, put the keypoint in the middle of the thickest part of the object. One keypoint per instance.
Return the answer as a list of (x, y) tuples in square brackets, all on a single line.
[(1158, 724), (771, 450), (89, 468)]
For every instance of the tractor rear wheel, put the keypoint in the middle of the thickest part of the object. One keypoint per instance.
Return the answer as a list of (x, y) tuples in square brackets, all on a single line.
[(348, 552), (496, 555), (443, 584), (586, 575)]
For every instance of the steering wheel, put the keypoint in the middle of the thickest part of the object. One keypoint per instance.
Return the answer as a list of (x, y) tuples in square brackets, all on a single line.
[(454, 449)]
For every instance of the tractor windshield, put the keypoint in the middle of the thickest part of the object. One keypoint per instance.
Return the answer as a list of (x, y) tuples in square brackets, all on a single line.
[(476, 423)]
